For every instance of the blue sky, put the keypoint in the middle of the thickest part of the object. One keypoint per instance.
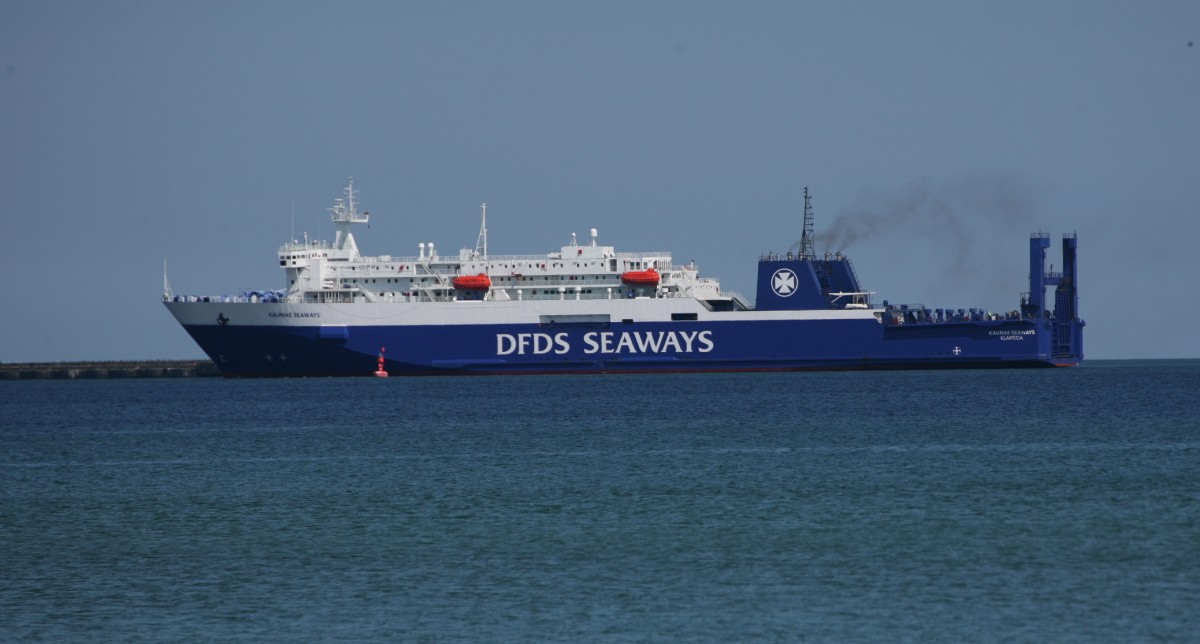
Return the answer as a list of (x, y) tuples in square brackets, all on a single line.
[(135, 132)]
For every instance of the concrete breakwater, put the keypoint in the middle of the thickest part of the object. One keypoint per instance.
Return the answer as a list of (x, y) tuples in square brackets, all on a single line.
[(109, 369)]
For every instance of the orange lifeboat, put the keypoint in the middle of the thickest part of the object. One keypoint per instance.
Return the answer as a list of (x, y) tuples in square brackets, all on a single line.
[(480, 282), (648, 277)]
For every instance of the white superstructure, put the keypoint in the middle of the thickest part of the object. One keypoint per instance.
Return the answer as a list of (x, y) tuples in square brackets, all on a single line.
[(323, 272)]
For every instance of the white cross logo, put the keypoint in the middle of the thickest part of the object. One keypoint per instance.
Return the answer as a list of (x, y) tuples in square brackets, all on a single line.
[(783, 282), (957, 350)]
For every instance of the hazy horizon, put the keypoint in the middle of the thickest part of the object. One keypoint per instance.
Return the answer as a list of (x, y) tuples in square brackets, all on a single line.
[(934, 138)]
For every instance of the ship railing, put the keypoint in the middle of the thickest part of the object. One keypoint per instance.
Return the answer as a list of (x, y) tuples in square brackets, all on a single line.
[(490, 259), (737, 297), (493, 259), (659, 254), (208, 298), (383, 259), (213, 298), (921, 314)]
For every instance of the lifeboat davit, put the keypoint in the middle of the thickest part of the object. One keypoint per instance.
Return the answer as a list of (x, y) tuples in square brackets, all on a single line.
[(480, 282), (648, 277)]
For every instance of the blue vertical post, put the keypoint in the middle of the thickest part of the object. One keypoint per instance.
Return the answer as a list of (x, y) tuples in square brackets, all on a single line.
[(1038, 243), (1066, 305), (1068, 340)]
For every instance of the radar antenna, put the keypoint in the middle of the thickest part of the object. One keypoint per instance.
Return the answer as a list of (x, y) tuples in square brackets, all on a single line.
[(345, 210), (807, 250)]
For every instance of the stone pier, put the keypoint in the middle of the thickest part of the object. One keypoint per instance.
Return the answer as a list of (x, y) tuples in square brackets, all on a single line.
[(113, 369)]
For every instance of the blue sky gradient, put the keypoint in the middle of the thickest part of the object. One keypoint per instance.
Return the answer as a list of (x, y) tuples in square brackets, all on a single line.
[(205, 133)]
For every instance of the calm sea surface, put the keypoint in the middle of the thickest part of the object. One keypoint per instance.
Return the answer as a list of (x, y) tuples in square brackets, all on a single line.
[(1057, 505)]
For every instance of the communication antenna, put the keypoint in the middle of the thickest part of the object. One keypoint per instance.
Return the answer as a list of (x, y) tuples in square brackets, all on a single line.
[(481, 243), (166, 284), (807, 250)]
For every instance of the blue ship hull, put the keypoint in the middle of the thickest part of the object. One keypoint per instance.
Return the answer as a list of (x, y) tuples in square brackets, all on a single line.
[(785, 345)]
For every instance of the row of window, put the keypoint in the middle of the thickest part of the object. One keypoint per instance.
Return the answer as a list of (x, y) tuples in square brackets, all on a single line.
[(425, 280), (305, 256)]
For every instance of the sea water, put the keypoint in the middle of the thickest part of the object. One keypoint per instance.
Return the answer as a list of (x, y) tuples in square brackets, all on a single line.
[(1039, 505)]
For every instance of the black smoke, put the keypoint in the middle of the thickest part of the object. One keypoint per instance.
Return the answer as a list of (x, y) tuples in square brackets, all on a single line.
[(941, 211), (955, 217)]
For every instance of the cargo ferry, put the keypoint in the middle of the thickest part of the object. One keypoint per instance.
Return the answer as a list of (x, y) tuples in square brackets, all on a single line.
[(587, 308)]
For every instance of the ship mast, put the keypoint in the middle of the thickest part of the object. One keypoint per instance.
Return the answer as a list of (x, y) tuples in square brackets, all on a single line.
[(807, 250), (481, 243), (345, 213)]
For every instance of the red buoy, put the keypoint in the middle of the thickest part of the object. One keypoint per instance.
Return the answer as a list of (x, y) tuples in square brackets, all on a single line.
[(380, 373)]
